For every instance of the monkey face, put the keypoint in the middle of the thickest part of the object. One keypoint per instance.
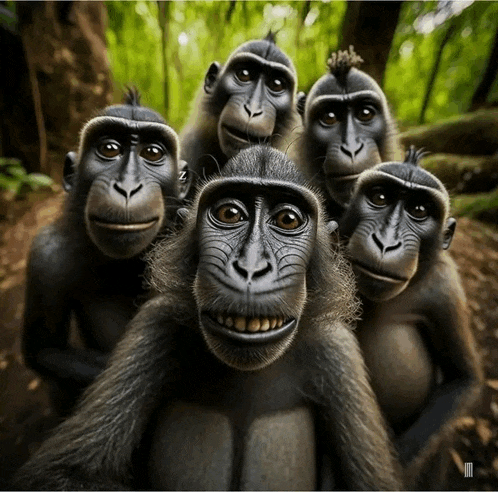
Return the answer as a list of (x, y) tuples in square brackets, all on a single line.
[(128, 172), (395, 228), (256, 97), (250, 285), (345, 129)]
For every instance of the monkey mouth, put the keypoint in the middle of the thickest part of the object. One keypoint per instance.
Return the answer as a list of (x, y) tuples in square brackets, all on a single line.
[(125, 227), (244, 136), (262, 329), (378, 275)]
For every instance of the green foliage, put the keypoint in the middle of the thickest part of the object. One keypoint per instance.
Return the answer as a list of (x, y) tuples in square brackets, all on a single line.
[(15, 179), (199, 32), (474, 206), (204, 31), (465, 56)]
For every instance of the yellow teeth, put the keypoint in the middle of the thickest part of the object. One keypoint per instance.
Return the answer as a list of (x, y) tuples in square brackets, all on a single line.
[(253, 325)]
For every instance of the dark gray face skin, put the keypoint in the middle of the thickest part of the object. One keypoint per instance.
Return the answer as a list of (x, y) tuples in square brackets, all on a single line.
[(345, 130), (395, 225), (254, 253), (127, 176), (252, 95)]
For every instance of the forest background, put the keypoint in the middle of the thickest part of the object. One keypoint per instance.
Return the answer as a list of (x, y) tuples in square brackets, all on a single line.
[(436, 60), (61, 61)]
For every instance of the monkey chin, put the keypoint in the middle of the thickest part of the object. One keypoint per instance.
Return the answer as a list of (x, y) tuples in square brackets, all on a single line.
[(122, 241), (377, 287), (341, 188), (247, 350)]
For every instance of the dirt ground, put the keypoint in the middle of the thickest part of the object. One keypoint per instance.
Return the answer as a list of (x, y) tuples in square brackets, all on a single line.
[(25, 416)]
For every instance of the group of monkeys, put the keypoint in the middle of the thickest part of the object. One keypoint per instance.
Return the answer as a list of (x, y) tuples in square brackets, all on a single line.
[(239, 273)]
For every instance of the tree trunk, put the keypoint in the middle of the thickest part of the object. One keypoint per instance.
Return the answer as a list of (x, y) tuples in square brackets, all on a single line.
[(303, 13), (230, 11), (481, 93), (164, 16), (435, 68), (65, 58), (369, 27), (17, 109)]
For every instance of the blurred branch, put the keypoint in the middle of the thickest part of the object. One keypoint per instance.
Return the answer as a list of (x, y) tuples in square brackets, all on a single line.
[(302, 17), (230, 11), (481, 93), (435, 68)]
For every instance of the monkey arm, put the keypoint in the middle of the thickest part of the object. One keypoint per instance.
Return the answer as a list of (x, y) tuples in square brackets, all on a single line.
[(47, 316), (453, 351), (354, 426), (93, 448)]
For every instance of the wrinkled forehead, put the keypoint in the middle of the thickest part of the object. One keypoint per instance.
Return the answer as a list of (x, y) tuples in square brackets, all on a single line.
[(356, 81), (266, 50), (130, 112), (264, 53), (107, 125), (408, 177), (247, 188)]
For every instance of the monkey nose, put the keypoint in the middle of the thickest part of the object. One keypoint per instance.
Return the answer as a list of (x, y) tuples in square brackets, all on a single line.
[(252, 271)]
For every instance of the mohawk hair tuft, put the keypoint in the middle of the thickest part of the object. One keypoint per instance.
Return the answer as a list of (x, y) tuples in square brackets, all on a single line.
[(341, 62), (413, 155), (132, 96), (271, 37)]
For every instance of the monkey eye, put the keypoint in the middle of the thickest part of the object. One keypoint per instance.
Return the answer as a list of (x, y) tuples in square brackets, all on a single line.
[(418, 210), (378, 196), (328, 119), (229, 214), (109, 149), (288, 219), (276, 85), (152, 153), (365, 114), (244, 75)]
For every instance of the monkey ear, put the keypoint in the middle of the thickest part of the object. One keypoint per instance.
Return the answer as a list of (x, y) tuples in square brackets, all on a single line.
[(69, 171), (185, 179), (331, 226), (448, 232), (301, 102), (211, 77)]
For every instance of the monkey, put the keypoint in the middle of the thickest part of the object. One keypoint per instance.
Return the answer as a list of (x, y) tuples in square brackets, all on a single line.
[(122, 191), (347, 128), (243, 369), (249, 100), (414, 332)]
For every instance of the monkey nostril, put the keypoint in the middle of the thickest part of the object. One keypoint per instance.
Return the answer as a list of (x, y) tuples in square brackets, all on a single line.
[(393, 247), (346, 151), (378, 242), (120, 190), (263, 270), (248, 111), (359, 149), (136, 190), (241, 271)]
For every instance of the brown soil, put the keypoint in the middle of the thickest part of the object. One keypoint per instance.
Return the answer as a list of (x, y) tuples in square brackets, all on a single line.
[(25, 416)]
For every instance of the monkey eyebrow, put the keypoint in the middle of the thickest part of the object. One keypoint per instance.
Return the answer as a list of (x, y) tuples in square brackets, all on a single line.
[(346, 98), (239, 57), (101, 123)]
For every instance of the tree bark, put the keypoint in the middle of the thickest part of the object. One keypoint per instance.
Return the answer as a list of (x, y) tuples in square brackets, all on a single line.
[(435, 68), (369, 27), (69, 77), (481, 93)]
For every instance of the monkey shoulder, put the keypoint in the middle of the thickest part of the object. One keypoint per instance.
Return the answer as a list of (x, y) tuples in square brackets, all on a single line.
[(52, 257)]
